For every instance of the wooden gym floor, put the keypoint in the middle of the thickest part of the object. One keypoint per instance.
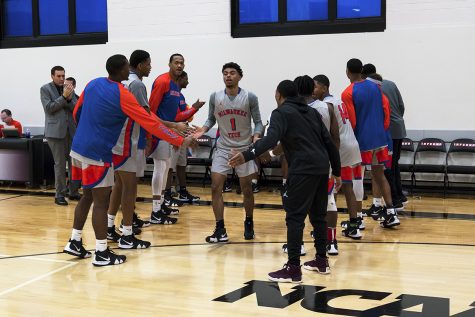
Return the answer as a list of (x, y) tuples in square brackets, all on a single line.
[(423, 268)]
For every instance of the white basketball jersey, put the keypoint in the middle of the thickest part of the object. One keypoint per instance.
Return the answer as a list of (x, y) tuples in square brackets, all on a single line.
[(322, 108), (234, 120), (349, 148)]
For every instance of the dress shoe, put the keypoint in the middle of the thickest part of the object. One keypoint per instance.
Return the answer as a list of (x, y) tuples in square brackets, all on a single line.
[(76, 197), (60, 201)]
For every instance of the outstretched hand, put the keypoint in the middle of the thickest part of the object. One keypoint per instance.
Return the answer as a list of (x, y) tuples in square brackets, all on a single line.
[(237, 158), (198, 104), (190, 141)]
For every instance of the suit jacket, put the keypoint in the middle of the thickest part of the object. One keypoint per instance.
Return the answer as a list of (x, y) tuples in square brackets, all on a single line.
[(58, 112)]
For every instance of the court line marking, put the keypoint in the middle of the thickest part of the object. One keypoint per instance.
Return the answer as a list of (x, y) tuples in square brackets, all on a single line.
[(6, 256), (33, 280), (252, 243)]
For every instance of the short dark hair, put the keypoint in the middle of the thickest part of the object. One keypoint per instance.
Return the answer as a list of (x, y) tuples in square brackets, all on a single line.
[(368, 69), (115, 63), (234, 66), (175, 55), (137, 57), (376, 76), (56, 68), (72, 79), (8, 112), (287, 88), (305, 85), (355, 66), (322, 80)]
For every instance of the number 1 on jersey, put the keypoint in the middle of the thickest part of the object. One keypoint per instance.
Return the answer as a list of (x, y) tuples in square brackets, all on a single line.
[(233, 124)]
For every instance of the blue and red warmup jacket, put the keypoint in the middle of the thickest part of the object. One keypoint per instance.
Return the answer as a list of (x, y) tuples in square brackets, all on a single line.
[(101, 112), (369, 114)]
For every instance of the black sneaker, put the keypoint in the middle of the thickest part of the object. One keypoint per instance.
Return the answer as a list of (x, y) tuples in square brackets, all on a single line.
[(157, 218), (352, 231), (375, 212), (227, 188), (140, 223), (404, 200), (283, 189), (107, 257), (332, 247), (219, 235), (361, 224), (135, 230), (285, 249), (76, 248), (255, 188), (185, 196), (131, 242), (398, 205), (248, 230), (112, 235), (390, 219), (169, 211), (171, 202)]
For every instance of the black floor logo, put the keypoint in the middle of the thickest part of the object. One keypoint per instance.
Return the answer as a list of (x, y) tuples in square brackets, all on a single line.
[(315, 298)]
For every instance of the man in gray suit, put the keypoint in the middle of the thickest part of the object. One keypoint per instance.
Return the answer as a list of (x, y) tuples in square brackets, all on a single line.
[(58, 101)]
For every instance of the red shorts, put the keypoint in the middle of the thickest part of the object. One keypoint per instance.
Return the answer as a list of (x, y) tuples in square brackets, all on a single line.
[(92, 176), (375, 157), (331, 185), (350, 173)]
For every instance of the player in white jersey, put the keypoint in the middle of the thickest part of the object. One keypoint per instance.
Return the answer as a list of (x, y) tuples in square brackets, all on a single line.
[(351, 170), (233, 108)]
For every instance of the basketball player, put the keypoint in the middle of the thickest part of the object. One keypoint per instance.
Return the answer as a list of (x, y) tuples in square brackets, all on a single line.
[(233, 108), (101, 112), (309, 149), (364, 102), (130, 166), (179, 157), (165, 101), (351, 170)]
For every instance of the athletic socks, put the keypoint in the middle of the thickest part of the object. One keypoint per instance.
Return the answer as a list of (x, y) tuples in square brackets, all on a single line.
[(101, 245), (127, 230), (156, 205), (110, 221), (220, 224), (331, 234), (378, 202), (76, 235), (254, 181)]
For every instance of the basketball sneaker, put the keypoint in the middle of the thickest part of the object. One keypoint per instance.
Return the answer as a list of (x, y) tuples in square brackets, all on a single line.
[(169, 211), (219, 236), (157, 218), (255, 188), (169, 201), (318, 264), (186, 197), (248, 230), (361, 224), (107, 257), (302, 249), (76, 248), (332, 247), (288, 274), (227, 188), (390, 219), (352, 231), (139, 223), (398, 206), (404, 200), (131, 242), (112, 235), (376, 212)]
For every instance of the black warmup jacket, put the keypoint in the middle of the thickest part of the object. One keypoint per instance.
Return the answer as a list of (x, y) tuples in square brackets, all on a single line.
[(306, 141)]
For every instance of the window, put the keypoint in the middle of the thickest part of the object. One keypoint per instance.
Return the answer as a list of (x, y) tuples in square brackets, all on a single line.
[(30, 23), (292, 17)]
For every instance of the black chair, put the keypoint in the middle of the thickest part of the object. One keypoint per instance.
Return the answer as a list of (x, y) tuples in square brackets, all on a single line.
[(271, 164), (430, 157), (203, 156), (461, 158), (406, 160)]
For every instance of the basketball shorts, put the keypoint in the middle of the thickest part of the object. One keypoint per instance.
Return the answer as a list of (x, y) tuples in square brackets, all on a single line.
[(133, 164), (163, 151), (378, 156), (350, 173), (221, 164), (91, 175), (179, 157)]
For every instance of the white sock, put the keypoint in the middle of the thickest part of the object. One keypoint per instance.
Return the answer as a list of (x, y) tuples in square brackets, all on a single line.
[(156, 205), (284, 181), (76, 235), (110, 220), (254, 181), (101, 245), (162, 199), (377, 202), (127, 230), (359, 214)]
